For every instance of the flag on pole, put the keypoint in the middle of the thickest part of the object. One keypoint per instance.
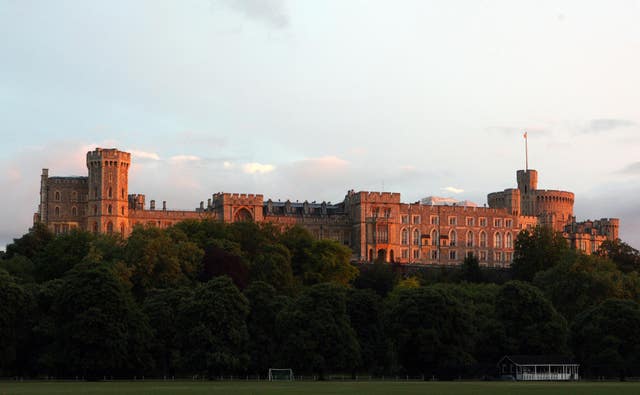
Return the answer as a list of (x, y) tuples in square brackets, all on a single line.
[(525, 135)]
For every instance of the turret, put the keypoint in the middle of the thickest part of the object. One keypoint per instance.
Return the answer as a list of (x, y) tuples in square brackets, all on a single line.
[(108, 191)]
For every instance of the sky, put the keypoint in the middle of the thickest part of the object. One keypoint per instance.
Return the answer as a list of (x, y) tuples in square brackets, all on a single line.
[(305, 100)]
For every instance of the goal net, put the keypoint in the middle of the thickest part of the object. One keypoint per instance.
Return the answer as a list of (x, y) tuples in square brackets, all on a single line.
[(280, 374)]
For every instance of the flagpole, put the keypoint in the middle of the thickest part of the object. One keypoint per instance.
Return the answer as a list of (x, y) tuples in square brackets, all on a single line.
[(526, 152)]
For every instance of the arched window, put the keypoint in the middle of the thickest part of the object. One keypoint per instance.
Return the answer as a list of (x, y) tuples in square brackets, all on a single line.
[(469, 239), (110, 192), (109, 209), (57, 211), (453, 238), (122, 194), (57, 196), (405, 236), (122, 230), (497, 240), (74, 211), (95, 210), (95, 227), (122, 210), (416, 237), (74, 195), (434, 237), (509, 240), (483, 239), (110, 227), (243, 215)]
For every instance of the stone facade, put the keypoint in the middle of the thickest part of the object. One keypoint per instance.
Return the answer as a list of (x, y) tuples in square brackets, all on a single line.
[(375, 225)]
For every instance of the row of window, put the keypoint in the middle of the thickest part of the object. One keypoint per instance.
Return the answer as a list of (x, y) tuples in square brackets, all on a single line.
[(452, 240), (498, 256), (57, 211), (57, 196), (471, 221)]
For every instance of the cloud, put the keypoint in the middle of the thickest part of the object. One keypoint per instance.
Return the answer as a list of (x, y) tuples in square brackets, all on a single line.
[(137, 154), (519, 130), (179, 159), (606, 124), (228, 165), (453, 190), (257, 168), (270, 12), (633, 168)]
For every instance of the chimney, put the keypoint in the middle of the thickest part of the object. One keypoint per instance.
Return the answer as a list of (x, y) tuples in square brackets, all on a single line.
[(152, 205), (164, 205)]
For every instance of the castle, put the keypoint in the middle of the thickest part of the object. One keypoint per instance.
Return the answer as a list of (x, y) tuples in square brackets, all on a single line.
[(375, 225)]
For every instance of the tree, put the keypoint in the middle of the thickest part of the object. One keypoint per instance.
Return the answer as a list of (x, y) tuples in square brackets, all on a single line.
[(532, 325), (14, 312), (225, 258), (161, 308), (625, 257), (471, 269), (61, 254), (273, 266), (573, 287), (212, 331), (299, 242), (159, 261), (605, 338), (329, 262), (31, 243), (538, 250), (365, 309), (430, 331), (265, 304), (316, 336), (98, 328), (379, 277)]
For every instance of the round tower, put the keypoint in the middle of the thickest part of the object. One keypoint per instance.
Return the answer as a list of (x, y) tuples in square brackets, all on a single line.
[(107, 202)]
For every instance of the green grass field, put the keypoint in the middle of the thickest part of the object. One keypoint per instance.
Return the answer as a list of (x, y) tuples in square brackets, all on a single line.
[(369, 388)]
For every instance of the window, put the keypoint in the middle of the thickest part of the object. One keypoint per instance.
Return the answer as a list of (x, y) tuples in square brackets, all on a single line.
[(470, 221), (95, 192), (434, 237), (452, 255), (453, 238), (416, 237), (469, 239), (508, 256), (497, 222), (109, 209), (382, 234), (509, 240), (122, 230), (482, 221), (405, 236), (74, 195), (110, 228), (57, 196), (497, 240), (122, 210), (95, 227), (405, 253), (434, 254), (95, 210), (453, 220), (416, 254), (483, 256), (122, 194), (74, 211), (483, 239), (405, 219), (416, 219), (57, 211), (508, 223), (498, 256), (387, 212), (110, 192), (435, 220)]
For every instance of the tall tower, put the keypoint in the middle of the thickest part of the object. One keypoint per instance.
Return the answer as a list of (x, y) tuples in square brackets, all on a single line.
[(107, 203)]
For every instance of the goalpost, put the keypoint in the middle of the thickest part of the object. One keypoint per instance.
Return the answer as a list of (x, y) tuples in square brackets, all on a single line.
[(280, 374)]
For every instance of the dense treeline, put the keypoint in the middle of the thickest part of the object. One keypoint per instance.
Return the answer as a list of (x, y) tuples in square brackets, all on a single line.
[(215, 299)]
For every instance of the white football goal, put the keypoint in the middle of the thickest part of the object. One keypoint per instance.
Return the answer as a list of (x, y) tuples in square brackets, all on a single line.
[(280, 374)]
